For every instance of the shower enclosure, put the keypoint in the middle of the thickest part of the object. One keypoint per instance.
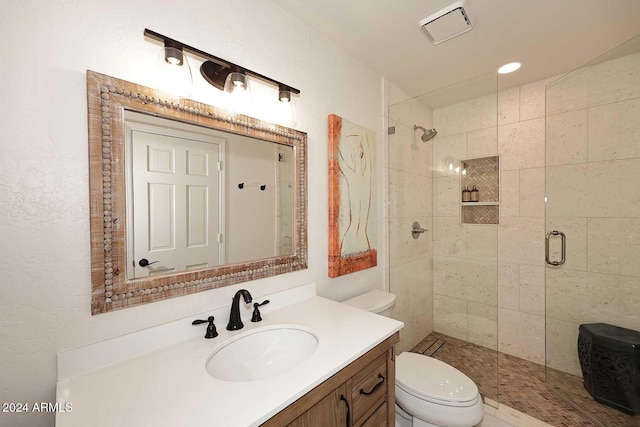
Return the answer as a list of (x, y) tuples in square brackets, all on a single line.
[(592, 212), (555, 161)]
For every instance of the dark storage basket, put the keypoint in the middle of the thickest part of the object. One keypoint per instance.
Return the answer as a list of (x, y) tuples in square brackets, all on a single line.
[(610, 362)]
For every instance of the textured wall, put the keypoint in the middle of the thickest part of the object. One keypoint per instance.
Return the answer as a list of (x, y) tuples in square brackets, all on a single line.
[(44, 204)]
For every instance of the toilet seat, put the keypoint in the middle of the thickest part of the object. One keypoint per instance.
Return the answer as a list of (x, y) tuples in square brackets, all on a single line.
[(431, 380)]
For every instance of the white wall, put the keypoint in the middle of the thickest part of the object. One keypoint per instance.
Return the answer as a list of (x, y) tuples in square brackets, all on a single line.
[(44, 204)]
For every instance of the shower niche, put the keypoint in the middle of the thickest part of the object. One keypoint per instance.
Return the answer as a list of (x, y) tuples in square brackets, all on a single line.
[(479, 199)]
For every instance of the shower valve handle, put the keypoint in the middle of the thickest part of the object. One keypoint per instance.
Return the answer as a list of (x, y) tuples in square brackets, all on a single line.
[(416, 230)]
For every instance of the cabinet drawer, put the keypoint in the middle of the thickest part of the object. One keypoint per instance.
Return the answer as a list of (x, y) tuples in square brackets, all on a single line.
[(378, 419), (369, 388)]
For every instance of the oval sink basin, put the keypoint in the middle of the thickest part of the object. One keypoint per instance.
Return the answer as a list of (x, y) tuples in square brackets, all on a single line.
[(262, 353)]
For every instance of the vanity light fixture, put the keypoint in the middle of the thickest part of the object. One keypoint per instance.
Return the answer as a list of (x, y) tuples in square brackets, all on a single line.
[(218, 72)]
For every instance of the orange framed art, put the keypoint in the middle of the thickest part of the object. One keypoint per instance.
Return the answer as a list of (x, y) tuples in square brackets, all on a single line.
[(352, 197)]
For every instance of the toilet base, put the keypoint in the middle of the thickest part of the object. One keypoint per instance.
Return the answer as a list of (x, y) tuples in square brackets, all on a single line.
[(404, 419)]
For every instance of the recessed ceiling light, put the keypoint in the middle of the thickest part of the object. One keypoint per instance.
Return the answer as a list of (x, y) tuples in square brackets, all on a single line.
[(509, 68)]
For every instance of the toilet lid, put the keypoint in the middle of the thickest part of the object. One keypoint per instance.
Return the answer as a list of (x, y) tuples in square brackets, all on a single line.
[(430, 379)]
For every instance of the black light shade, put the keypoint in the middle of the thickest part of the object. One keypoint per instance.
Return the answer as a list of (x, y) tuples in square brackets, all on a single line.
[(173, 53), (284, 95)]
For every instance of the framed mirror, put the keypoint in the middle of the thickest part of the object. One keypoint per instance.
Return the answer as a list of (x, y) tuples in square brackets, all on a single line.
[(186, 197)]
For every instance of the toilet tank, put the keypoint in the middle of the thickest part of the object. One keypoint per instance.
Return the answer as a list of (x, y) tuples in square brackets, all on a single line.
[(376, 301)]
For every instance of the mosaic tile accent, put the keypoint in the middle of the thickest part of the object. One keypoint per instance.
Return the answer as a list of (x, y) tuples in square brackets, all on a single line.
[(484, 174), (480, 214), (522, 385)]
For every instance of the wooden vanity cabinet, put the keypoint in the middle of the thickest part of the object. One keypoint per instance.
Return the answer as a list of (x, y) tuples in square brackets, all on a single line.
[(360, 395)]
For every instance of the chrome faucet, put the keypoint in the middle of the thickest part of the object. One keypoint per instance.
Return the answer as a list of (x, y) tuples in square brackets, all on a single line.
[(235, 322)]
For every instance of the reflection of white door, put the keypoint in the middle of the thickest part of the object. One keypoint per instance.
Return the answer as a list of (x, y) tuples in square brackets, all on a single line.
[(176, 209)]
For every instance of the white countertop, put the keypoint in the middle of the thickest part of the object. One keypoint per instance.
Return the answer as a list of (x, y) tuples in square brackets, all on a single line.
[(171, 387)]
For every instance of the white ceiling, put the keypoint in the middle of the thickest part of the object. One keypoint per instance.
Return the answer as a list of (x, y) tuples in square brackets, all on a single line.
[(549, 36)]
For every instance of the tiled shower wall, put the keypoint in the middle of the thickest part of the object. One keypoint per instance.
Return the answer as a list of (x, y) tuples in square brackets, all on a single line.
[(409, 199), (593, 190), (464, 255)]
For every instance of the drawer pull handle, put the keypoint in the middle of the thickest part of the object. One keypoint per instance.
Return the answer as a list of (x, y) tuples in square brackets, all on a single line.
[(375, 387), (348, 409)]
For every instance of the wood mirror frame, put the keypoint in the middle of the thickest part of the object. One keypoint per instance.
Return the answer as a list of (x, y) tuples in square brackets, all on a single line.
[(108, 98)]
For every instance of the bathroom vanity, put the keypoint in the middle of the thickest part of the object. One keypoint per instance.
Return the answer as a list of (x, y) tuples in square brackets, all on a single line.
[(160, 376)]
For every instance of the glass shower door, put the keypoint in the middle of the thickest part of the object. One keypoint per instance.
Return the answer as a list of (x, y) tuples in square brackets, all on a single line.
[(592, 226)]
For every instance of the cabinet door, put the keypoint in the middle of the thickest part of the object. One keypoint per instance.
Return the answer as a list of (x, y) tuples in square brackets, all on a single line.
[(332, 411), (379, 418)]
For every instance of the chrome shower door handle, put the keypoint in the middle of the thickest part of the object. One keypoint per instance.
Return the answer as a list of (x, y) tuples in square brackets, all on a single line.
[(563, 240)]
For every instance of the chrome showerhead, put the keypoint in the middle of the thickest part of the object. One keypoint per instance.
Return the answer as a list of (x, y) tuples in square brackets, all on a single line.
[(428, 134)]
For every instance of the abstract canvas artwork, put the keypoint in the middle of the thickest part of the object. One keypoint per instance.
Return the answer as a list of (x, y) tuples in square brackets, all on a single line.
[(352, 197)]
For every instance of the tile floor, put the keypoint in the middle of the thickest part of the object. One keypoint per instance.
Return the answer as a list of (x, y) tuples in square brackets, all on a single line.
[(523, 386)]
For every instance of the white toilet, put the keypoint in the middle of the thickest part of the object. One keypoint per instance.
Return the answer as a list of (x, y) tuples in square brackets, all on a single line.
[(429, 393)]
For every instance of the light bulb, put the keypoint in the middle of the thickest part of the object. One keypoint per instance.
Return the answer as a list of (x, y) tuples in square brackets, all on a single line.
[(238, 93), (173, 73)]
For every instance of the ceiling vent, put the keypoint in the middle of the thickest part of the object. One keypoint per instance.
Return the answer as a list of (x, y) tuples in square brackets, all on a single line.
[(447, 23)]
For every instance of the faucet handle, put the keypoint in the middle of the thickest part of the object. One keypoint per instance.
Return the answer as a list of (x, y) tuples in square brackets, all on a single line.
[(256, 317), (211, 328)]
